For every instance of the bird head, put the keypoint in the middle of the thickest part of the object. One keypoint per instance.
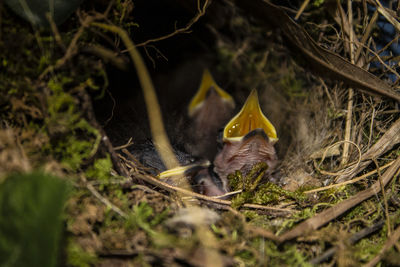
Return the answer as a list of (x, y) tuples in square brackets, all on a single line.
[(249, 118), (208, 111), (247, 139), (208, 87)]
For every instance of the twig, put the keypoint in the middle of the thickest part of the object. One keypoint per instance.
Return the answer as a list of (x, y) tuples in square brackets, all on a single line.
[(128, 144), (384, 198), (388, 16), (390, 139), (348, 182), (71, 50), (385, 58), (376, 55), (389, 243), (327, 93), (347, 134), (105, 201), (302, 8), (55, 31), (366, 35), (230, 194), (324, 61), (331, 213), (112, 109), (104, 138), (341, 172), (371, 127), (201, 12), (174, 189), (352, 240), (108, 56)]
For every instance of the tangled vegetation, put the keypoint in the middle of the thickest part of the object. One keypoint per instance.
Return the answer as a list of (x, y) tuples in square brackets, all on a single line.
[(71, 192)]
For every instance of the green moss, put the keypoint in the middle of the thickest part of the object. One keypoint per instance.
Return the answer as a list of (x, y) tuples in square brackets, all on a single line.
[(288, 255), (368, 248), (318, 3), (270, 192), (259, 194), (143, 217), (73, 138), (248, 184), (78, 257), (100, 170), (297, 217), (246, 256)]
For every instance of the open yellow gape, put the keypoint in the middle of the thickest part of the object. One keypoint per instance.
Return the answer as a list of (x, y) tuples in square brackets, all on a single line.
[(207, 83), (248, 119)]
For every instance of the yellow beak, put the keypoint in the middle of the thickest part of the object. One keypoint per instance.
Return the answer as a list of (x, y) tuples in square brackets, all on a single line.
[(208, 83), (248, 119), (182, 169)]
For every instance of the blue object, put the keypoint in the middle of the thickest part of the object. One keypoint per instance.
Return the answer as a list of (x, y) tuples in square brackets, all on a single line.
[(387, 33)]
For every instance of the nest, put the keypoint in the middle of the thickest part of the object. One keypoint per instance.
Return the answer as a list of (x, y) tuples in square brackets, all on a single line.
[(325, 81)]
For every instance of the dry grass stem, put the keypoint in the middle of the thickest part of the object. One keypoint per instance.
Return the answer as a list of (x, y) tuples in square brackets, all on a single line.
[(343, 171), (128, 144), (211, 200), (331, 213), (301, 9), (390, 139), (385, 201), (352, 181), (105, 201), (158, 132)]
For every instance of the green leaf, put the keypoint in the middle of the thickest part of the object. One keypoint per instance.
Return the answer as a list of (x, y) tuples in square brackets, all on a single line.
[(31, 208)]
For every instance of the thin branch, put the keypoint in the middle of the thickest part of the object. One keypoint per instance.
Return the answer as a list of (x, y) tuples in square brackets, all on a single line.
[(389, 243), (348, 182), (349, 115), (186, 29), (366, 35), (343, 172), (71, 50), (302, 8), (105, 201), (128, 144), (331, 213), (55, 31), (387, 141), (352, 240), (215, 200), (384, 198)]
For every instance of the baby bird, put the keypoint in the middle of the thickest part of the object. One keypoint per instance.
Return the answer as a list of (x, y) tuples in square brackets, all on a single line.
[(208, 111), (201, 176), (248, 139)]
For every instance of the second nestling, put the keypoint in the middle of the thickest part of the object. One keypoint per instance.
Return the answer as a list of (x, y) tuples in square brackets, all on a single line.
[(247, 139)]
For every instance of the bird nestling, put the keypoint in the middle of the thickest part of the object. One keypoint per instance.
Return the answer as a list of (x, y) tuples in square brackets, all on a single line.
[(248, 139), (208, 111), (201, 176)]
